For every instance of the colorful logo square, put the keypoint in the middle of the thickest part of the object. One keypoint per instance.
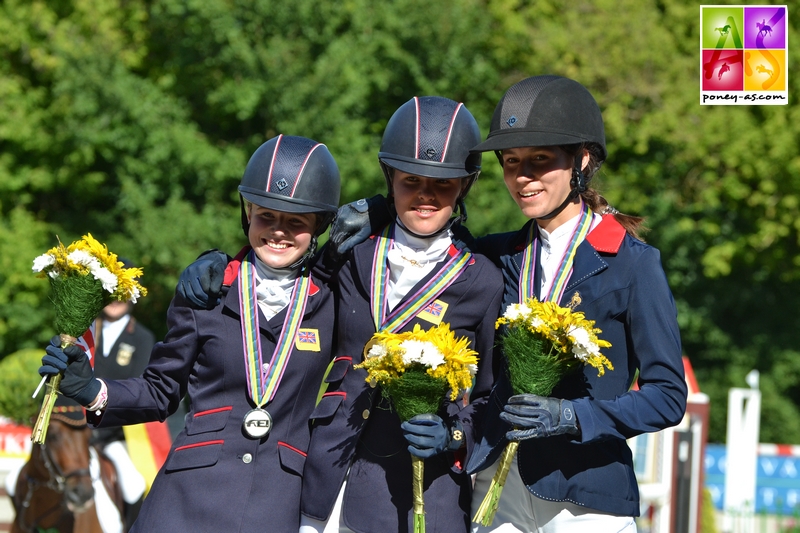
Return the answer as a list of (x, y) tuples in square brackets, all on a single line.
[(765, 70), (765, 27), (743, 55), (722, 27), (722, 70)]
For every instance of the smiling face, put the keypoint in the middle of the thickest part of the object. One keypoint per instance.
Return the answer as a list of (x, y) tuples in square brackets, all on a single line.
[(424, 205), (279, 238), (538, 179)]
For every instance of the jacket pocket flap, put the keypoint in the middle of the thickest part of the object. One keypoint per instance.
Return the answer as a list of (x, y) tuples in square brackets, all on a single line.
[(291, 458), (328, 405), (198, 455), (210, 420), (338, 369)]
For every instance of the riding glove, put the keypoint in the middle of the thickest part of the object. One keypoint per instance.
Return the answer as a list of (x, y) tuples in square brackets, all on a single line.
[(201, 282), (537, 417), (428, 435), (355, 222), (78, 382)]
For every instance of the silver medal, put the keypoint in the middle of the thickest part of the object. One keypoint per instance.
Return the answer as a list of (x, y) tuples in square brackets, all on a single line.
[(257, 423)]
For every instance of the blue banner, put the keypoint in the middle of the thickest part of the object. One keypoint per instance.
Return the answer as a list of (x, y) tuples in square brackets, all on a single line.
[(777, 481)]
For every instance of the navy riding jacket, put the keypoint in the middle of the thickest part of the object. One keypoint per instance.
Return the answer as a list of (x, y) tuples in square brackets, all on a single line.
[(621, 285)]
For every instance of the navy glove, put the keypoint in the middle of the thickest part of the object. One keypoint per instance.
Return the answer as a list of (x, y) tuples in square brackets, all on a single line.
[(428, 435), (56, 362), (78, 382), (355, 222), (201, 282), (536, 417)]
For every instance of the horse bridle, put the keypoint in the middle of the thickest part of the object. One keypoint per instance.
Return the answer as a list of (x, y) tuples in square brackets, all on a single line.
[(56, 481)]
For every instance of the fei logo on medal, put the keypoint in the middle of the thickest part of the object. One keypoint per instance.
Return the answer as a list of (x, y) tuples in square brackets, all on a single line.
[(743, 55)]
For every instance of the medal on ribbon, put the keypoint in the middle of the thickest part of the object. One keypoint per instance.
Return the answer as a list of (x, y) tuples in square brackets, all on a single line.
[(263, 379)]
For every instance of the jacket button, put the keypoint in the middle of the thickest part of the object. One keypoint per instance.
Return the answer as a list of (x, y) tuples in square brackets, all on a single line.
[(247, 458), (365, 414)]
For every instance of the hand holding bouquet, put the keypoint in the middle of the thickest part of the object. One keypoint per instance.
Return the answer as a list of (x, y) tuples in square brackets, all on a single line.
[(543, 342), (415, 369), (84, 277)]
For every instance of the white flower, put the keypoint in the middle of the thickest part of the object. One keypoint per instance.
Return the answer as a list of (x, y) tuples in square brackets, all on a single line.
[(536, 322), (582, 345), (81, 257), (421, 352), (473, 369), (516, 311), (135, 295), (377, 350), (43, 261), (105, 276)]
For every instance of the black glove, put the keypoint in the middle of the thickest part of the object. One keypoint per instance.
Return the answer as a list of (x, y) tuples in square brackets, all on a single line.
[(355, 222), (428, 435), (537, 417), (78, 382), (201, 282)]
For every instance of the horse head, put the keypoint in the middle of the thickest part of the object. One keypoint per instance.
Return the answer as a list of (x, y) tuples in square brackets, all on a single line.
[(54, 490), (65, 456)]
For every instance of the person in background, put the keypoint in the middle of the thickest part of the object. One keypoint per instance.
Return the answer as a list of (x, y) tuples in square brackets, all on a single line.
[(122, 350)]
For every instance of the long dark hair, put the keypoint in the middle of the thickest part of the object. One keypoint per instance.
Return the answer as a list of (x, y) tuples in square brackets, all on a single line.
[(634, 225)]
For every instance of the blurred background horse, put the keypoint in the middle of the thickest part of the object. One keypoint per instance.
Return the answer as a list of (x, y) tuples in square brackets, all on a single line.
[(54, 490)]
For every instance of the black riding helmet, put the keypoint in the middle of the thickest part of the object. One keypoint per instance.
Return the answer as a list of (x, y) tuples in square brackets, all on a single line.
[(431, 137), (548, 111), (293, 175)]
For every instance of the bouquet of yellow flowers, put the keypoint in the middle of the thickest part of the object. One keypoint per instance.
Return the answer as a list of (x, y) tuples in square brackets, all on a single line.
[(415, 369), (84, 277), (542, 343)]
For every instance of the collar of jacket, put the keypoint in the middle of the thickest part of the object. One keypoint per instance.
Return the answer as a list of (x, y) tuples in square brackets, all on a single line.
[(606, 237), (232, 271)]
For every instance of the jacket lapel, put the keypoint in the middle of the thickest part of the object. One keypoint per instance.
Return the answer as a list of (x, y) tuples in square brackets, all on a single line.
[(606, 238)]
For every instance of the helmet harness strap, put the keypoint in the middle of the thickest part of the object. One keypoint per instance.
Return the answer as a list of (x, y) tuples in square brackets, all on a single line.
[(577, 184)]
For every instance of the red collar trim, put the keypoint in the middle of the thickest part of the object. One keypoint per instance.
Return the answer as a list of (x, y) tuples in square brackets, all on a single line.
[(232, 271), (453, 251), (607, 236), (233, 267)]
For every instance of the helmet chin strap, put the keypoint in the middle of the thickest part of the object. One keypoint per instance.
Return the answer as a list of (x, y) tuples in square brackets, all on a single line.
[(578, 185), (301, 263)]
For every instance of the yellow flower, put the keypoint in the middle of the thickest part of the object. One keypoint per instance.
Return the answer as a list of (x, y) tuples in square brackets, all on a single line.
[(89, 256), (559, 326), (386, 363)]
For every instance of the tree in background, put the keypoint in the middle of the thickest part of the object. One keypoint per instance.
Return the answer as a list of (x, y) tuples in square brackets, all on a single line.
[(132, 120)]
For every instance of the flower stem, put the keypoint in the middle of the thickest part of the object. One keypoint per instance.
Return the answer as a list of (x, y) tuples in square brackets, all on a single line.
[(488, 508), (39, 431), (418, 465)]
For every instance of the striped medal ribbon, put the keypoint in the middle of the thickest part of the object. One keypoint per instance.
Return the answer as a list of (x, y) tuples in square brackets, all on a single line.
[(405, 311), (263, 384), (527, 287)]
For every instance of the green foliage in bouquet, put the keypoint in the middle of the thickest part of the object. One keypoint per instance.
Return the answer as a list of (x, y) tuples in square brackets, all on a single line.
[(415, 392), (543, 342)]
